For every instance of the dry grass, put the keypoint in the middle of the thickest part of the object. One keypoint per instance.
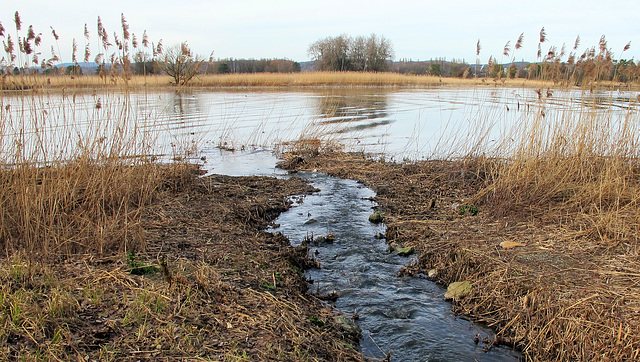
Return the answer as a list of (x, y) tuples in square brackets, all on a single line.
[(78, 207), (73, 178), (86, 208), (580, 168), (311, 79)]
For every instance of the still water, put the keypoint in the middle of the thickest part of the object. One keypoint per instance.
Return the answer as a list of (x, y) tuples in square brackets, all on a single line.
[(400, 123), (407, 316)]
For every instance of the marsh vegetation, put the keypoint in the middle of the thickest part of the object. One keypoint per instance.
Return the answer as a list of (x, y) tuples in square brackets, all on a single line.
[(85, 193)]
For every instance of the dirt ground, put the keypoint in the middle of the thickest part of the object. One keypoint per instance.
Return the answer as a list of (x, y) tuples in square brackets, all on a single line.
[(210, 285), (551, 292)]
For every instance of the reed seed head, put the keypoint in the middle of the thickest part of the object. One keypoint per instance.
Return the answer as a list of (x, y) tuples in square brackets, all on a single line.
[(125, 27), (602, 44), (16, 19), (507, 49), (519, 42), (53, 32), (74, 51), (30, 33)]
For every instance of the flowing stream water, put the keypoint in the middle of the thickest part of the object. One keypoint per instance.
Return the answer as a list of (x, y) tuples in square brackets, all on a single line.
[(408, 316)]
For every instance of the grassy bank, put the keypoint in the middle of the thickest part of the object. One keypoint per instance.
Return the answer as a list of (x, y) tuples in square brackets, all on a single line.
[(208, 285)]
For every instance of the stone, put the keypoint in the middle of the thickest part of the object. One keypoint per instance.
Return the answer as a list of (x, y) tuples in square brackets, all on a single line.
[(406, 251), (347, 325), (376, 217), (458, 290), (401, 251)]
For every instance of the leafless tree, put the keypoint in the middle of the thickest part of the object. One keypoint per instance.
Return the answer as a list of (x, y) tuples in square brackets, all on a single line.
[(181, 64), (344, 53)]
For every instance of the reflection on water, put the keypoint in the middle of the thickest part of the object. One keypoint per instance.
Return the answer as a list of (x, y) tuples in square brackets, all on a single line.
[(348, 106), (414, 123)]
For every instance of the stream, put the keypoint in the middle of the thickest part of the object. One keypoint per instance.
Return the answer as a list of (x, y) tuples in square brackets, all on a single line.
[(408, 316)]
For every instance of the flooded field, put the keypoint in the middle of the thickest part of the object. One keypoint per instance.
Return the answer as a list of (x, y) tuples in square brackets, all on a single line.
[(407, 316), (408, 123)]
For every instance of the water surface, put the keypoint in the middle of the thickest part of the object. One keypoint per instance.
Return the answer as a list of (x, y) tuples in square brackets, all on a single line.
[(401, 123)]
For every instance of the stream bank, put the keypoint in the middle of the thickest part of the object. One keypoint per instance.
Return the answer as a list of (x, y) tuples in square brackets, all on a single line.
[(552, 297), (210, 284)]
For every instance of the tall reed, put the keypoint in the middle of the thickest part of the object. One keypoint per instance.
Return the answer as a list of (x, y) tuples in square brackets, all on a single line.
[(77, 170), (576, 166)]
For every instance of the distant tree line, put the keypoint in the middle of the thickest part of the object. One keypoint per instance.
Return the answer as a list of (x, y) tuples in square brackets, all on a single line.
[(360, 54), (231, 65), (436, 67), (140, 66)]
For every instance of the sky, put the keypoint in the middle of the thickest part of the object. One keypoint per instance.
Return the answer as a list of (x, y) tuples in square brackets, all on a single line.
[(418, 30)]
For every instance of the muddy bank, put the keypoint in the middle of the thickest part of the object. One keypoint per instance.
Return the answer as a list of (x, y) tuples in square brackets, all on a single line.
[(550, 297), (211, 284)]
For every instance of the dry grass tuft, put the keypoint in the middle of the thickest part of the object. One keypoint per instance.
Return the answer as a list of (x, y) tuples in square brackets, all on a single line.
[(580, 170), (79, 207)]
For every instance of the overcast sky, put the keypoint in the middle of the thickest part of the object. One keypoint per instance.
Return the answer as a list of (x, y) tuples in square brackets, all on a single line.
[(285, 28)]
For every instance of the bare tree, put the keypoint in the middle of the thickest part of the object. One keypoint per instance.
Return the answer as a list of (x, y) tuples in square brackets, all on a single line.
[(331, 53), (181, 64), (358, 54), (379, 52), (344, 53)]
